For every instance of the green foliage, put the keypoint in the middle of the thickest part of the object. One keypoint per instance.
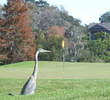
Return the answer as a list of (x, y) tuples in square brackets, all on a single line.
[(44, 18), (42, 3), (49, 42), (87, 56), (101, 35), (106, 58), (101, 46), (105, 17), (30, 0)]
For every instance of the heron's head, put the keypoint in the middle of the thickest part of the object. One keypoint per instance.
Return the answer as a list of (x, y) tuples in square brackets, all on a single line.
[(43, 50), (40, 50)]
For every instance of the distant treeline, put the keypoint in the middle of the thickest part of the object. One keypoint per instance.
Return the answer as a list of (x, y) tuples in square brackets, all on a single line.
[(26, 26)]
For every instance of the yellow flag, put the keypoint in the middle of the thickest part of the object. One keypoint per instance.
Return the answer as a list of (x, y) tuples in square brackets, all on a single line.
[(63, 44)]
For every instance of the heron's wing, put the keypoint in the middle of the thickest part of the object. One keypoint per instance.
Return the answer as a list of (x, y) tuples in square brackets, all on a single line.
[(29, 86)]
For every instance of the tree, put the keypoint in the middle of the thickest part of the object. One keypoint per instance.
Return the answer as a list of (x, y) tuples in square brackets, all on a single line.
[(101, 46), (50, 19), (16, 34), (30, 0), (74, 35), (1, 11), (105, 17), (50, 42), (42, 3)]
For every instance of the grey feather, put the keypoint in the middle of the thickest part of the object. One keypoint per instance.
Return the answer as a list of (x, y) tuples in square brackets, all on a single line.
[(30, 86)]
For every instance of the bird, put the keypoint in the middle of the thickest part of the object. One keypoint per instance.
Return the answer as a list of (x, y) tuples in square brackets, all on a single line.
[(30, 85)]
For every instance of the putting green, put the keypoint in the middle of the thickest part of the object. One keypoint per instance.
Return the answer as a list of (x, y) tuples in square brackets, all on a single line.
[(56, 70)]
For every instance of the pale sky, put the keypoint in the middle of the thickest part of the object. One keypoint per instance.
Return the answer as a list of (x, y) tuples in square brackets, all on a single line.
[(87, 11)]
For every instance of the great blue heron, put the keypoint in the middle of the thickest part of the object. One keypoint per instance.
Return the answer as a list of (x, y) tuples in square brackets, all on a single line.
[(30, 86)]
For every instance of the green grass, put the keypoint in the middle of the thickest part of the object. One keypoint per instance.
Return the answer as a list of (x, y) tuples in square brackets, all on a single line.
[(74, 81)]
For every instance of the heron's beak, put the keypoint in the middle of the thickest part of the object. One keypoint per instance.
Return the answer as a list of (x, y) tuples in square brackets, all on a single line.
[(46, 50)]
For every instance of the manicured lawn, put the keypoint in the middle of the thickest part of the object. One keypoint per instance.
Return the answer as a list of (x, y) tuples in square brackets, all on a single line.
[(74, 81)]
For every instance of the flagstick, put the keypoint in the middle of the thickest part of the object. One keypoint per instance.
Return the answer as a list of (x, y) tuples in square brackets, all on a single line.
[(63, 59), (63, 45)]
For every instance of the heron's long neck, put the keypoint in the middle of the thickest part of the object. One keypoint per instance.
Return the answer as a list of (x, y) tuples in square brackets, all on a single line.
[(36, 66)]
